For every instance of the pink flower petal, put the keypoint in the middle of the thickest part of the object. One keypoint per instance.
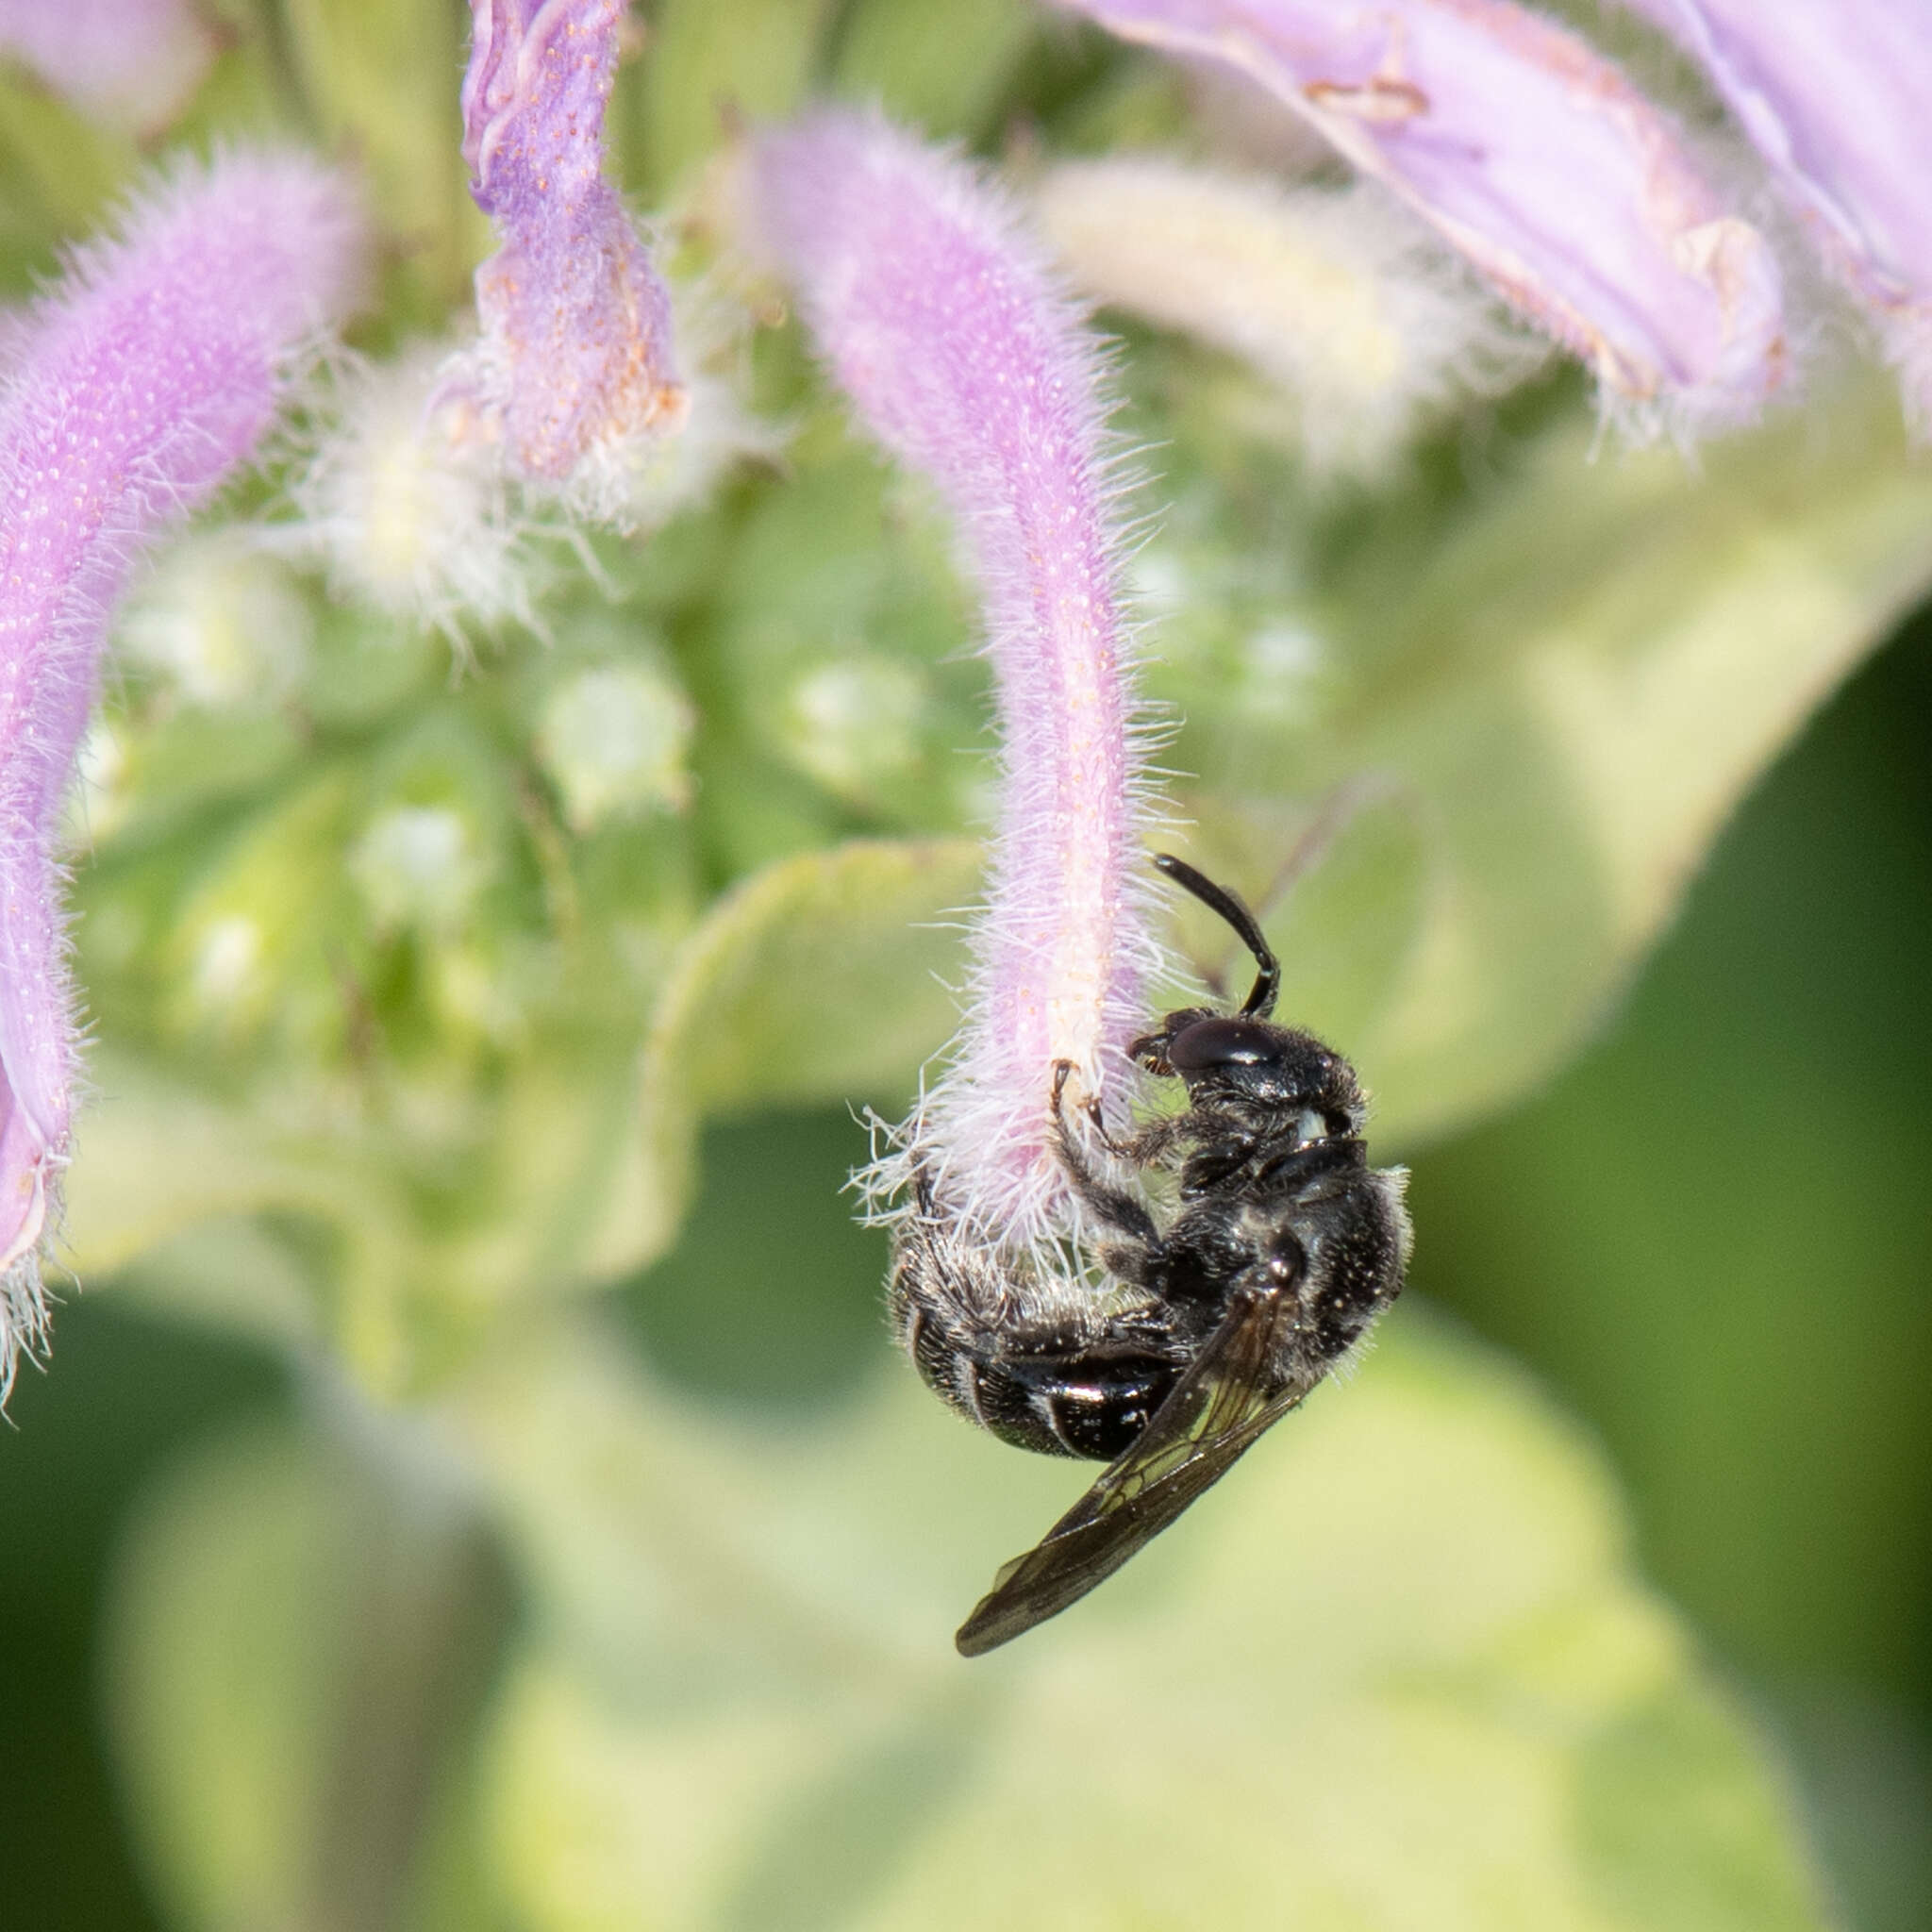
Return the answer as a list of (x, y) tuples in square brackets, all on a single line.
[(576, 326), (941, 318), (131, 60), (1537, 160), (1837, 95), (139, 385)]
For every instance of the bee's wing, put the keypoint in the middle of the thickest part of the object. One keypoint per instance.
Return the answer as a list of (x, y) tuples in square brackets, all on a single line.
[(1216, 1410)]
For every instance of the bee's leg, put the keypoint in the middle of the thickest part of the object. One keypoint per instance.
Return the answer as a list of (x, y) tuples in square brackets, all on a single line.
[(1155, 1143), (1117, 1210), (1145, 1145), (1096, 1123)]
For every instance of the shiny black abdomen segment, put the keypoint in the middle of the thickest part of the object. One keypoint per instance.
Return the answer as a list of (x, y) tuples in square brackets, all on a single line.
[(1093, 1404), (934, 1354), (1090, 1401)]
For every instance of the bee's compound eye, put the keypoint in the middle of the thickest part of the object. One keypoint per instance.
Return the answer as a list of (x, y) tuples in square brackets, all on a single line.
[(1224, 1043)]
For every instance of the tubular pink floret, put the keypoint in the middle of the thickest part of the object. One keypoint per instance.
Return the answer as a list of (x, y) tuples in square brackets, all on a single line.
[(1539, 160), (941, 320), (138, 386)]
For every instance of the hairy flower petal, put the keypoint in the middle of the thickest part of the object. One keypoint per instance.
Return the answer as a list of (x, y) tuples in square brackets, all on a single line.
[(576, 324), (131, 60), (1535, 159), (941, 318), (138, 386), (1836, 95)]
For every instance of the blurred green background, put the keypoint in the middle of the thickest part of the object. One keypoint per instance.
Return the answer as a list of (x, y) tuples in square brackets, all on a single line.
[(1709, 1237)]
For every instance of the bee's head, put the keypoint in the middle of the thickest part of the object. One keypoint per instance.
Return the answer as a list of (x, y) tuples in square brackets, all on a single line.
[(1228, 1057), (1241, 1059)]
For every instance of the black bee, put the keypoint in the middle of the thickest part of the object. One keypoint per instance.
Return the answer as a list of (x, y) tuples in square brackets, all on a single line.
[(1284, 1245)]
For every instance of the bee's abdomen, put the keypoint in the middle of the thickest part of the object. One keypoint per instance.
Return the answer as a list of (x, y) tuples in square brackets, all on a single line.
[(1090, 1401)]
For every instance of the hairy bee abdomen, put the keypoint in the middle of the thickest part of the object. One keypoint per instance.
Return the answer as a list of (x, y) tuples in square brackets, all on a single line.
[(1089, 1402)]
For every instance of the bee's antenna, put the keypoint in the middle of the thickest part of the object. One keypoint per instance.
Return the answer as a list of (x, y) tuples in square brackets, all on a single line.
[(1218, 899)]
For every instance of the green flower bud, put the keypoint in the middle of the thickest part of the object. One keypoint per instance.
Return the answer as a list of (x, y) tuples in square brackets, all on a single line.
[(854, 723), (613, 740), (221, 625), (420, 865)]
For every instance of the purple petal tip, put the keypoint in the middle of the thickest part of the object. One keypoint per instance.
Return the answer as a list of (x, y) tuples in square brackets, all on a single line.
[(577, 330)]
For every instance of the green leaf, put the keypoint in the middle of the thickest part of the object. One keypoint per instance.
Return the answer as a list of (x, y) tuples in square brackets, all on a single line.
[(400, 1248), (1501, 776), (1525, 722), (1395, 1672), (212, 1727), (812, 980), (293, 1641)]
